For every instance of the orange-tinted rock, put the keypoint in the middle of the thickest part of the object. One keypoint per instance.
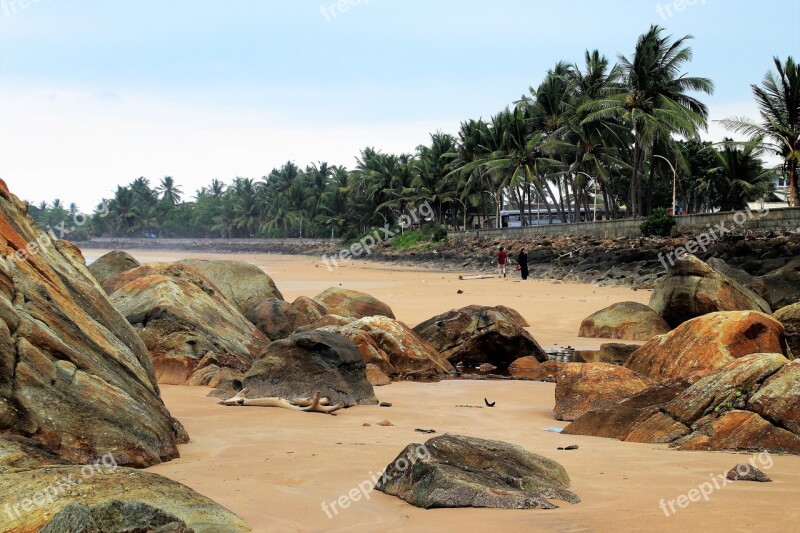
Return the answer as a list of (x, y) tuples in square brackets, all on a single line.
[(692, 289), (352, 304), (309, 308), (615, 353), (624, 320), (702, 345), (75, 379), (741, 430), (658, 428), (370, 352), (583, 387), (376, 377), (277, 319), (477, 334), (173, 270), (531, 368)]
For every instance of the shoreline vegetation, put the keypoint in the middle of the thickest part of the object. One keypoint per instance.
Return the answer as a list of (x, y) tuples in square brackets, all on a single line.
[(618, 139)]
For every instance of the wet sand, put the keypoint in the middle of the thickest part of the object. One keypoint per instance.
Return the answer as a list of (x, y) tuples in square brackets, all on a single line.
[(276, 468)]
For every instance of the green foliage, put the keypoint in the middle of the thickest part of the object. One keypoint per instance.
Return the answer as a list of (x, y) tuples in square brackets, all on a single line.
[(660, 224), (408, 239)]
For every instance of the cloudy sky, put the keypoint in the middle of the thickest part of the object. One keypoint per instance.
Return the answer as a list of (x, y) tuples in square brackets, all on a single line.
[(94, 93)]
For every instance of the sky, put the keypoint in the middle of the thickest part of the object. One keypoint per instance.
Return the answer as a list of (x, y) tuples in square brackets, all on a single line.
[(95, 93)]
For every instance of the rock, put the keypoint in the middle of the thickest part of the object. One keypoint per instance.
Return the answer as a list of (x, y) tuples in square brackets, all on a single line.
[(702, 345), (624, 320), (353, 304), (737, 274), (617, 421), (616, 353), (530, 367), (458, 471), (186, 329), (513, 315), (583, 387), (171, 270), (747, 472), (326, 320), (477, 334), (112, 264), (782, 286), (75, 379), (692, 289), (115, 516), (789, 316), (243, 284), (740, 430), (385, 423), (386, 404), (309, 308), (778, 398), (306, 363), (376, 376), (277, 319), (115, 499)]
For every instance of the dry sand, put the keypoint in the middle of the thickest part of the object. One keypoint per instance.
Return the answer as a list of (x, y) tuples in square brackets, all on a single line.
[(276, 468)]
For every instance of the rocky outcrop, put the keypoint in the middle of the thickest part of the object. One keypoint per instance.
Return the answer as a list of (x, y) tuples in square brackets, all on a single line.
[(309, 308), (458, 471), (477, 334), (749, 403), (75, 379), (172, 270), (352, 304), (702, 345), (306, 363), (615, 353), (186, 329), (692, 289), (327, 320), (789, 316), (781, 287), (112, 264), (244, 285), (531, 368), (113, 499), (624, 320), (583, 387)]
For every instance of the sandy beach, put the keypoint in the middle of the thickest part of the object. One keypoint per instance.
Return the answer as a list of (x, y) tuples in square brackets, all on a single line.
[(276, 468)]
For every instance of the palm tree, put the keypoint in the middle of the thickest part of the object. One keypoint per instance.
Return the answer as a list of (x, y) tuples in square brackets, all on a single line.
[(169, 191), (778, 100), (741, 176), (654, 102)]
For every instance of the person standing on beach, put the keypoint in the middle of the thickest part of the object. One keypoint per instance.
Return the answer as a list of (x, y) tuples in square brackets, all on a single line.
[(523, 263), (502, 259)]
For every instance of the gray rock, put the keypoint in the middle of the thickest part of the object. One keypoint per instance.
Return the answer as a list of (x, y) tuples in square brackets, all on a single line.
[(459, 471), (112, 264), (747, 472)]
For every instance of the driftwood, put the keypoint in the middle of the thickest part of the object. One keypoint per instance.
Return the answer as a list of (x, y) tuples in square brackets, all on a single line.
[(476, 276), (310, 405)]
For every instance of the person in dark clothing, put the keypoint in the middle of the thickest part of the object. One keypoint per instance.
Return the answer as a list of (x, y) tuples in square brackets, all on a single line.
[(523, 263)]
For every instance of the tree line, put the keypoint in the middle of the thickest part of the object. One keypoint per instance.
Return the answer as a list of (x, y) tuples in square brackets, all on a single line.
[(593, 131)]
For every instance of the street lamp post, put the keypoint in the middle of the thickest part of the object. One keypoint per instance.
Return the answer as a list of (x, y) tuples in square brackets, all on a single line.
[(674, 180)]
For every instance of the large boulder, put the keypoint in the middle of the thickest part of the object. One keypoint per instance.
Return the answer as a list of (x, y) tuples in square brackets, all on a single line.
[(624, 320), (692, 289), (187, 329), (478, 334), (352, 304), (749, 403), (702, 345), (277, 319), (531, 368), (737, 274), (172, 270), (75, 379), (107, 499), (458, 471), (306, 363), (112, 264), (583, 387), (789, 316), (781, 287), (243, 284), (310, 308)]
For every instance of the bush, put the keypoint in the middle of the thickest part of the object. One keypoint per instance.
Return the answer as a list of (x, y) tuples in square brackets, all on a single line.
[(658, 224)]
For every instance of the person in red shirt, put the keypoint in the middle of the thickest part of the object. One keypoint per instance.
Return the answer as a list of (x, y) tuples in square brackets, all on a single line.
[(502, 260)]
